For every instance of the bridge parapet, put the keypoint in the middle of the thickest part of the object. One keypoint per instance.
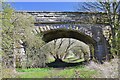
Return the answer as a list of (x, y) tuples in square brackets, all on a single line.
[(75, 17)]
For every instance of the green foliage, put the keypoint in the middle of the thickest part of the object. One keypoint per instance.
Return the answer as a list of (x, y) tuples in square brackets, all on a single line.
[(7, 28), (17, 30), (0, 32), (7, 34), (24, 26)]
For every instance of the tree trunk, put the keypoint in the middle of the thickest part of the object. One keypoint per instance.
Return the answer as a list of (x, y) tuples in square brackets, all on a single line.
[(14, 60), (58, 60)]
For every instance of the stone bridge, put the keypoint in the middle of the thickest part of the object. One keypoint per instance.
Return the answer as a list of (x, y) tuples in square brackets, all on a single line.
[(91, 28)]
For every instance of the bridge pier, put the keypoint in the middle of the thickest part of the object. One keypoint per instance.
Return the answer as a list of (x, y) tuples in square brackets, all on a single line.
[(101, 49)]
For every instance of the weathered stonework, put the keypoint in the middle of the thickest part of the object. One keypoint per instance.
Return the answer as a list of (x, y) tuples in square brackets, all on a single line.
[(90, 28)]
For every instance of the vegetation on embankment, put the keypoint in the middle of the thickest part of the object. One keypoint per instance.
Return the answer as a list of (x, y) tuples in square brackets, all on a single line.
[(92, 70), (106, 70)]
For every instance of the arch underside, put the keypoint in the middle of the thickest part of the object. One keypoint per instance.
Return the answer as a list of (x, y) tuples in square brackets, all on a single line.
[(99, 49), (65, 33)]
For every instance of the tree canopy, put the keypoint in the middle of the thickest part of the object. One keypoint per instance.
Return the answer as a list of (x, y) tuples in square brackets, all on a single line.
[(18, 33)]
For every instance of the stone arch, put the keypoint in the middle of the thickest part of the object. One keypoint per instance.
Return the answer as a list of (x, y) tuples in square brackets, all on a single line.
[(67, 33)]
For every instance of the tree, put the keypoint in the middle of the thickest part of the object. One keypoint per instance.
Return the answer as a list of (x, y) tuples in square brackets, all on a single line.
[(0, 42), (17, 31), (60, 49), (111, 8), (25, 36), (7, 34), (81, 52)]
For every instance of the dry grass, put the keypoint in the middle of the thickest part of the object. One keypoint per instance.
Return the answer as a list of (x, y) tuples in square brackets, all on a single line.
[(8, 73), (106, 70)]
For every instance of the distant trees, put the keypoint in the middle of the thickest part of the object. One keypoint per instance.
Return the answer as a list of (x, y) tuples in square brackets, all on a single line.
[(61, 48), (112, 9)]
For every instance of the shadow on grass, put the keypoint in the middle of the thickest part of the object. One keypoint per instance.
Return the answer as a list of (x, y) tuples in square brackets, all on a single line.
[(61, 64)]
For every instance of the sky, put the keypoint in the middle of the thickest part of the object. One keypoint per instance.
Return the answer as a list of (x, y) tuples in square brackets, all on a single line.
[(50, 0), (45, 6)]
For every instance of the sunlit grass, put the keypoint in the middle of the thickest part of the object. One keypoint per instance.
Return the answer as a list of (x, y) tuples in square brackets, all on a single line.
[(34, 72), (33, 69), (73, 60), (71, 72), (34, 75)]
